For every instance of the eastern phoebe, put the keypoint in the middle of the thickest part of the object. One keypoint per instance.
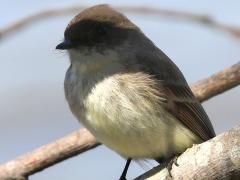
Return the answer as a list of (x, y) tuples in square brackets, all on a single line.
[(126, 91)]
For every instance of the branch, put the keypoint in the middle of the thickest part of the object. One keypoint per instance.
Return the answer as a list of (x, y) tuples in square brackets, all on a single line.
[(173, 14), (82, 140), (218, 158), (217, 83), (48, 155)]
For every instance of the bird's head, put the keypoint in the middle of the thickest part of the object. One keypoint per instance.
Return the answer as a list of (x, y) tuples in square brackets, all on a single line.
[(99, 27)]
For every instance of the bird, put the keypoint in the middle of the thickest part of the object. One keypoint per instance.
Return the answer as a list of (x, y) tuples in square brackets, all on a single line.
[(126, 91)]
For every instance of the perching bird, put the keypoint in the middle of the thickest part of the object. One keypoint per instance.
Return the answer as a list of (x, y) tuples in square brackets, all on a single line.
[(126, 91)]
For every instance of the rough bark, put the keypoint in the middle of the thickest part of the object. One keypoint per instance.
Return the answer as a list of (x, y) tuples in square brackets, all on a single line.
[(218, 158)]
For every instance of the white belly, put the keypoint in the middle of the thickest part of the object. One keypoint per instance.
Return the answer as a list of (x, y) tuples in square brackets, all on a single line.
[(131, 124)]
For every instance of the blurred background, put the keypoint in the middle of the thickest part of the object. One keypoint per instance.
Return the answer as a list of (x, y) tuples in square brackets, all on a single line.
[(33, 110)]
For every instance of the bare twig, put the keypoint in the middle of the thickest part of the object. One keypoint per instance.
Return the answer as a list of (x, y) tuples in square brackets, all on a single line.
[(173, 14), (218, 158), (217, 83), (83, 140)]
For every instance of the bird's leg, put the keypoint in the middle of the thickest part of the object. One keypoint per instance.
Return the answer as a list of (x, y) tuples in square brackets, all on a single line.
[(124, 173)]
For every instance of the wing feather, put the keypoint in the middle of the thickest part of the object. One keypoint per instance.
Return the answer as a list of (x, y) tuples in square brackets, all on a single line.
[(183, 105), (181, 102)]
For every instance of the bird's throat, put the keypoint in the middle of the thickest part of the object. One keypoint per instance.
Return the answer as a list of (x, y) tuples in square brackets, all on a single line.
[(92, 62)]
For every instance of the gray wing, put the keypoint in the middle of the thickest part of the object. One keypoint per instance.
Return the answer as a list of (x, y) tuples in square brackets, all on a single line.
[(185, 107), (181, 102)]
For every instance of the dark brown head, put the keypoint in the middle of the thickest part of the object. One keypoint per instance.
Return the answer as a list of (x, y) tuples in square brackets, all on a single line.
[(98, 26)]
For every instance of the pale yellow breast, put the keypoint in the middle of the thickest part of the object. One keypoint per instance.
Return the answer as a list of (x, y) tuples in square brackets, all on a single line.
[(125, 112)]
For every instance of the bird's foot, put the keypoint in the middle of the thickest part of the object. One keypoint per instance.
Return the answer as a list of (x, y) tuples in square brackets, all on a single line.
[(170, 164)]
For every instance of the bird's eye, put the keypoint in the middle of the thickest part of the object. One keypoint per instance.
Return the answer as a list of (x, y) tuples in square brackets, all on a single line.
[(102, 30)]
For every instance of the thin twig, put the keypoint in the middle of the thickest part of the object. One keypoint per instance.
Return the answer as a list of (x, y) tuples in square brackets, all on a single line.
[(217, 83), (83, 140), (206, 20)]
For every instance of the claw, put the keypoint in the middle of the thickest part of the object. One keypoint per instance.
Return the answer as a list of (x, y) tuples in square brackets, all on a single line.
[(170, 163)]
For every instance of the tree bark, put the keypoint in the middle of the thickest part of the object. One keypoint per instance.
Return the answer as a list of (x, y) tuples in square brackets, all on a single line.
[(217, 83), (218, 158)]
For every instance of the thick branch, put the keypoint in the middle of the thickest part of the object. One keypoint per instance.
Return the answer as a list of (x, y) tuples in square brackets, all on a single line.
[(174, 14), (82, 140), (218, 158)]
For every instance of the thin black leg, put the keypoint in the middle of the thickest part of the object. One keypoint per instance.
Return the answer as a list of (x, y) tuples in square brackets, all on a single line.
[(124, 173)]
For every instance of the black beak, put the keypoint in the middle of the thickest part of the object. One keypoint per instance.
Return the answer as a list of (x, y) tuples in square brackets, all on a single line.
[(66, 44)]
